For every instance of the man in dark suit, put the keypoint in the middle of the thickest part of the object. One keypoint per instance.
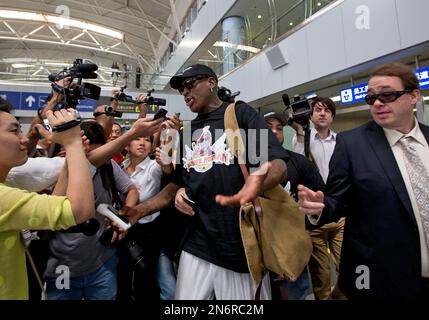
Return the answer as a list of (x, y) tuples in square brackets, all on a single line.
[(384, 189)]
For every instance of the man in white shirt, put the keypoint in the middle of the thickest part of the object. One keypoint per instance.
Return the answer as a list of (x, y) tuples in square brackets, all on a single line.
[(329, 237), (379, 177)]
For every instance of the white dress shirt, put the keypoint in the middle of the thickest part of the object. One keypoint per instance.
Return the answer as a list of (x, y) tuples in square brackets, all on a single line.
[(321, 150), (422, 148), (147, 179)]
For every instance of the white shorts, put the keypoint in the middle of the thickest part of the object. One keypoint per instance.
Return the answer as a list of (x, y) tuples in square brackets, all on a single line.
[(198, 279)]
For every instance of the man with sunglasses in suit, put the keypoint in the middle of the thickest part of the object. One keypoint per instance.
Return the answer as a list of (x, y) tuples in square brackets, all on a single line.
[(213, 263), (379, 177)]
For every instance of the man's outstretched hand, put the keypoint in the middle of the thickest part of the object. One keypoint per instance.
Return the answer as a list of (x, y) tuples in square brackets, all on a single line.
[(310, 202), (250, 191)]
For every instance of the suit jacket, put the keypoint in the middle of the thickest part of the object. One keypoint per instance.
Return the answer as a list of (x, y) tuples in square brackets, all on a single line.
[(381, 231)]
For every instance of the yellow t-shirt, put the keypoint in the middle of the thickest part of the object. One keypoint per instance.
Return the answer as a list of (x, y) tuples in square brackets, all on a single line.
[(20, 209)]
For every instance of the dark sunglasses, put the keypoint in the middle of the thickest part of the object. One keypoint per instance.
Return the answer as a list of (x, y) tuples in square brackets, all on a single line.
[(385, 97), (189, 83)]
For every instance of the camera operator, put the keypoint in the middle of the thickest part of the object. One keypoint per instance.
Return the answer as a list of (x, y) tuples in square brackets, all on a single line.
[(329, 237), (299, 169)]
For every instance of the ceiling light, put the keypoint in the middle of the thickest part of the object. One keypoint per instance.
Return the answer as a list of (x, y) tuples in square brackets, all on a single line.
[(336, 99), (21, 65), (32, 16), (291, 23), (259, 16), (319, 4)]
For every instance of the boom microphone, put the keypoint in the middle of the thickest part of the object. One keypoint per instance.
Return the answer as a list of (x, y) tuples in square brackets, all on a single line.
[(286, 100), (91, 75), (85, 68)]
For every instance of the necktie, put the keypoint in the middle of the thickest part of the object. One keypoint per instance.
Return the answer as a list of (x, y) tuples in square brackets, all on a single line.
[(419, 179)]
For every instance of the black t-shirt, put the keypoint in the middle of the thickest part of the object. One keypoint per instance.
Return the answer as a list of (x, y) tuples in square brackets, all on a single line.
[(206, 172), (300, 170)]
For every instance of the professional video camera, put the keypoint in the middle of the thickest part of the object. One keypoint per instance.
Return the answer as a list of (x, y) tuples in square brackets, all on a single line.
[(225, 94), (149, 99), (301, 109), (76, 91)]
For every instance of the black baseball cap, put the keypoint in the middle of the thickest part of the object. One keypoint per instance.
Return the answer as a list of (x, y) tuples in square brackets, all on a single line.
[(277, 116), (189, 72)]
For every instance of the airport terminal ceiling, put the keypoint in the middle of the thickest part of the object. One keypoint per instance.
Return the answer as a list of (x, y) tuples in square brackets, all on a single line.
[(123, 33)]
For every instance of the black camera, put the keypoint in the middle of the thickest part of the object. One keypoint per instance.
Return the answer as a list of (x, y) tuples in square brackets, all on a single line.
[(79, 90), (225, 94), (149, 99), (301, 109), (109, 111)]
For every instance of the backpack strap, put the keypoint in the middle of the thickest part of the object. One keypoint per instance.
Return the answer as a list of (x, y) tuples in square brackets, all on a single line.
[(235, 141)]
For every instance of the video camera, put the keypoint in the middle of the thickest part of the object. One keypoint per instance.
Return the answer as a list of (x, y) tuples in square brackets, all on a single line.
[(76, 91), (149, 99), (301, 109)]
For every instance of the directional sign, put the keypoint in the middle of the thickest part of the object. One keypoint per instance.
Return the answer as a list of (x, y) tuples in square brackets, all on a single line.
[(354, 94), (13, 97), (36, 100), (423, 76), (30, 100)]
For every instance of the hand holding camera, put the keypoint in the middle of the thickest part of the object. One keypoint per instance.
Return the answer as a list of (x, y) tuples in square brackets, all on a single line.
[(64, 125)]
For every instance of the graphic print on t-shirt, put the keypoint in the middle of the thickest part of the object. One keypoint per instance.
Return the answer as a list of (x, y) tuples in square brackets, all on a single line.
[(203, 154)]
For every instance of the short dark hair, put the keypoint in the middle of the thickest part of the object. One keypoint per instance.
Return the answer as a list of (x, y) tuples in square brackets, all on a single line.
[(5, 106), (93, 131), (327, 102), (396, 69)]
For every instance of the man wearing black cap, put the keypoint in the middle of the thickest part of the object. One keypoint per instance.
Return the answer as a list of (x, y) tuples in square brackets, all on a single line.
[(300, 169), (213, 262)]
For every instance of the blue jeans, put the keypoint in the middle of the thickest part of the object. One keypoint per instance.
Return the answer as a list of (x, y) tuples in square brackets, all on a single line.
[(166, 277), (100, 284), (299, 289)]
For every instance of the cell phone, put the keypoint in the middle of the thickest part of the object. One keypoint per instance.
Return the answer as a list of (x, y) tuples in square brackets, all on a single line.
[(161, 113)]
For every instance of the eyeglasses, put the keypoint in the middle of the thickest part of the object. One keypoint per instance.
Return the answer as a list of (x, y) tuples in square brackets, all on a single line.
[(388, 96), (189, 83)]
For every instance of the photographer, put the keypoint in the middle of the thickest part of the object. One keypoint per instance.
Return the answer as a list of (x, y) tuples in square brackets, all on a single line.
[(90, 257), (329, 237), (21, 209)]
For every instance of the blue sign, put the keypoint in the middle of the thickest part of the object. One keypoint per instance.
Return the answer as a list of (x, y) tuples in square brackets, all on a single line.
[(36, 100), (30, 100), (354, 94), (13, 97), (423, 76)]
